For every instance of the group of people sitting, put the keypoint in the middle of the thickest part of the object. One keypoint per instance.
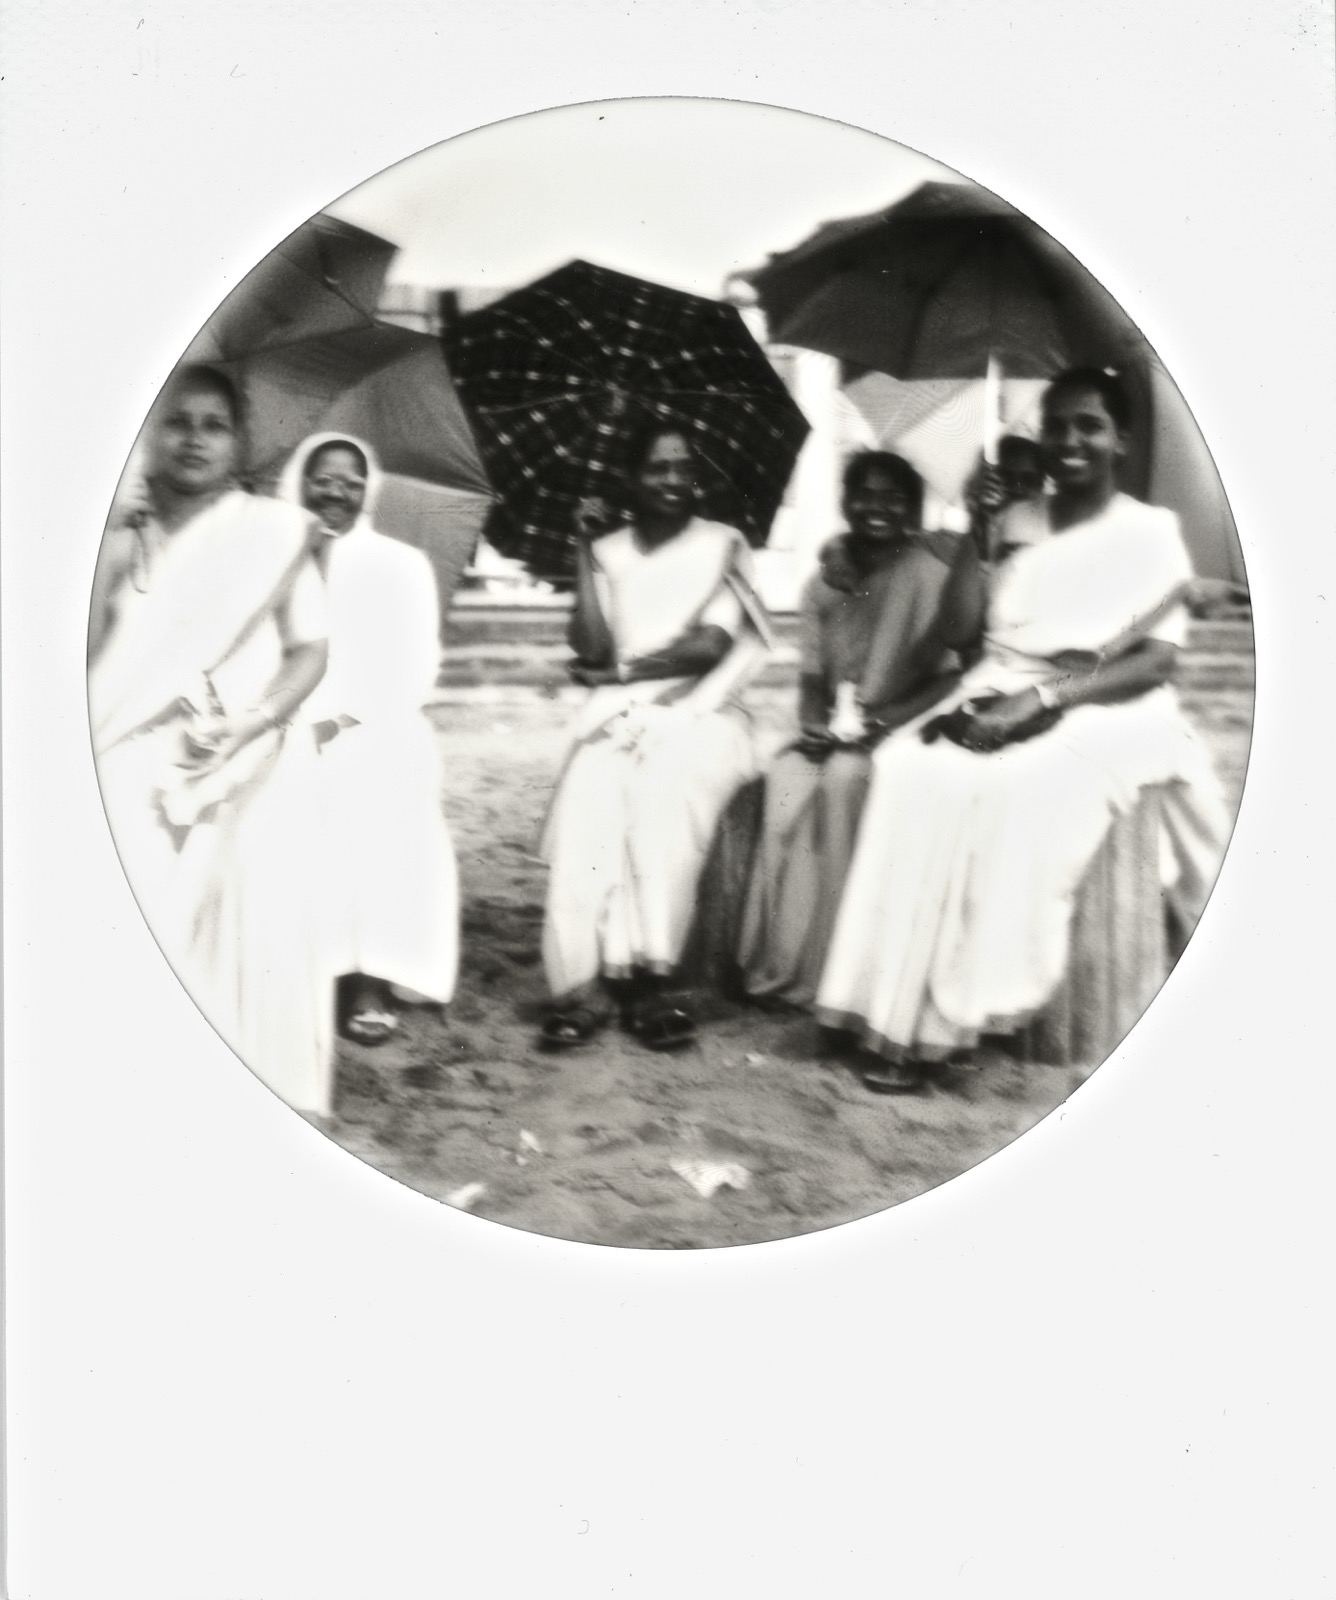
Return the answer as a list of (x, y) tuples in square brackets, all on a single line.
[(973, 713)]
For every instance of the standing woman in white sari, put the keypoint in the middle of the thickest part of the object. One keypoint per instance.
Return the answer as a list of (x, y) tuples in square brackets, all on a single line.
[(666, 629), (207, 633), (981, 821), (390, 866)]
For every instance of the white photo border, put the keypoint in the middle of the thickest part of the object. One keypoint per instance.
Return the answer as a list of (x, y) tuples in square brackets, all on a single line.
[(240, 1363)]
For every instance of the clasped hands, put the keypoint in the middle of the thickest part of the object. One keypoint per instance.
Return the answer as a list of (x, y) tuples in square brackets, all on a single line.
[(992, 722), (816, 741)]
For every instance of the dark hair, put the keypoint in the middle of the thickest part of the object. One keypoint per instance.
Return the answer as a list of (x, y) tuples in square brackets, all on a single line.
[(209, 380), (646, 434), (1109, 386), (863, 463), (1017, 444), (336, 444)]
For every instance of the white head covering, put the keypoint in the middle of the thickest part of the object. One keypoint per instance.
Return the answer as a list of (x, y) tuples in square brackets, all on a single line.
[(290, 480)]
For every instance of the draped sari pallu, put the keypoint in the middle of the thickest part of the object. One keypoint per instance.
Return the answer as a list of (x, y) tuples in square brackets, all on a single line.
[(393, 890), (957, 913), (652, 764), (871, 635), (223, 865)]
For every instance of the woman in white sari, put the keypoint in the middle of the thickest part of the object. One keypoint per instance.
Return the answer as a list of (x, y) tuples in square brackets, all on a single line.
[(983, 818), (207, 633), (393, 901), (666, 629)]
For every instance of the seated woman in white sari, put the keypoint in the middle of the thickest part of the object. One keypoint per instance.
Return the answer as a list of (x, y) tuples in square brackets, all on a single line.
[(982, 819), (869, 661), (392, 890), (666, 629), (207, 633)]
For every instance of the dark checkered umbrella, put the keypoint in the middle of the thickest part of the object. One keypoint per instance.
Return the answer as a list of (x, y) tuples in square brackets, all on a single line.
[(558, 375)]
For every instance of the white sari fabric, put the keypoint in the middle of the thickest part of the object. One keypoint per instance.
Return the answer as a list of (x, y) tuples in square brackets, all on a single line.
[(221, 870), (653, 764), (956, 912), (392, 887)]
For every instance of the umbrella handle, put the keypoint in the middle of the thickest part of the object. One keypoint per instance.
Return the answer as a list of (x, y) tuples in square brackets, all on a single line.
[(992, 409)]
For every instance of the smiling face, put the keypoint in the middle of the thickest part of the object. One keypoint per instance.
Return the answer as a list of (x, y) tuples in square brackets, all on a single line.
[(1021, 466), (665, 481), (1082, 442), (194, 441), (334, 486), (877, 506)]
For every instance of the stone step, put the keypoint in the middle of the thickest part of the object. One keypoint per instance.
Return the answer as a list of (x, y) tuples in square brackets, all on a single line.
[(475, 627), (544, 666)]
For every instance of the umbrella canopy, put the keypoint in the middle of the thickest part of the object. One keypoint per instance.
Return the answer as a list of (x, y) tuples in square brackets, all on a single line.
[(935, 285), (325, 277), (937, 423), (558, 375), (299, 335), (932, 287)]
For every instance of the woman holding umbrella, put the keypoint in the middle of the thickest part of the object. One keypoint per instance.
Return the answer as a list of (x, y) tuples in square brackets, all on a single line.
[(870, 661), (208, 632), (980, 821), (666, 629), (393, 916)]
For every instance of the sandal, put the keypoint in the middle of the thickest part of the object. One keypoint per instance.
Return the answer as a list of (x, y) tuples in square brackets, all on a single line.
[(890, 1077), (662, 1024), (567, 1030), (371, 1028)]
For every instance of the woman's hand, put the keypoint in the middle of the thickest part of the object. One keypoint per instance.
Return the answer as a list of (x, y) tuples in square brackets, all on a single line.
[(988, 725), (997, 722), (133, 504), (211, 743), (593, 517), (987, 492), (591, 677), (815, 741)]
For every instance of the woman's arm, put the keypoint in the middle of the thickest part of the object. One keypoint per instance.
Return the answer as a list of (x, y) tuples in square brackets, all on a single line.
[(589, 635), (813, 701), (693, 655), (964, 604), (1145, 666), (300, 620), (115, 563), (893, 714)]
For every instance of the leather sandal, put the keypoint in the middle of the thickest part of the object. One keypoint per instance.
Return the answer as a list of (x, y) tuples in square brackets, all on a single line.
[(662, 1024), (890, 1077), (567, 1030)]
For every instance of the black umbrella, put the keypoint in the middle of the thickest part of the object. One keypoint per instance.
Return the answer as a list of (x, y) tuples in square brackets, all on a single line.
[(936, 285), (556, 376)]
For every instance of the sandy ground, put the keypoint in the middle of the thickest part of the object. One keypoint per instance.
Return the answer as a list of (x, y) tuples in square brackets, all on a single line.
[(584, 1145)]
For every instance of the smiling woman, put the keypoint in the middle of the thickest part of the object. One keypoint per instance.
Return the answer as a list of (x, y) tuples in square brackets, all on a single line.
[(869, 661), (981, 821), (666, 629), (386, 858), (207, 632)]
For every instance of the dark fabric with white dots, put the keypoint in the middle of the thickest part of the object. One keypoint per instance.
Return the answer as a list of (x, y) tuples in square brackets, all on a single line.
[(557, 376)]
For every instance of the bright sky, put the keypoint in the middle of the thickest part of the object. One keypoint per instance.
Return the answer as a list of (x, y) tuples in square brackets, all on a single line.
[(684, 192)]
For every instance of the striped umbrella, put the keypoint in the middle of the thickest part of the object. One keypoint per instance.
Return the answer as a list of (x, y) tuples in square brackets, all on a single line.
[(557, 376)]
